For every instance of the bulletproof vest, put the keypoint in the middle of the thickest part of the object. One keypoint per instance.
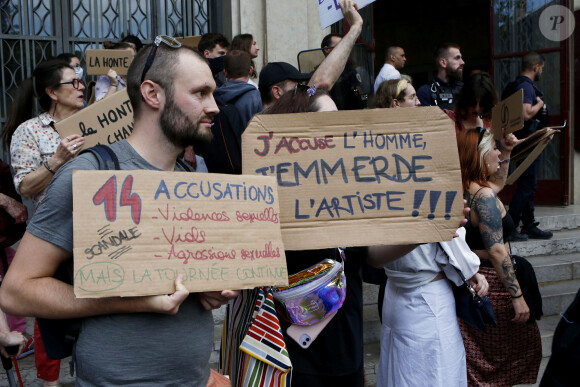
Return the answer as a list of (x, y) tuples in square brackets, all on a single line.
[(347, 92), (445, 96)]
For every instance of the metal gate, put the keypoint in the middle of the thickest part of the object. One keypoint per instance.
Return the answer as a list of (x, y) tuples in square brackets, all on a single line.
[(515, 32), (36, 30)]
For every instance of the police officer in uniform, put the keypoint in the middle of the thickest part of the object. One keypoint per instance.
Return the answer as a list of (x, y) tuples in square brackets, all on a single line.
[(445, 87), (347, 92)]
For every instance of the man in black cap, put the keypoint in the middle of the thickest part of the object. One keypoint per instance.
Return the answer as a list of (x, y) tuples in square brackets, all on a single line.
[(277, 78)]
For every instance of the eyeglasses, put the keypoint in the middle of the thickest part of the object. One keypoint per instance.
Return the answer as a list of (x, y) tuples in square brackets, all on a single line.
[(169, 42), (75, 83)]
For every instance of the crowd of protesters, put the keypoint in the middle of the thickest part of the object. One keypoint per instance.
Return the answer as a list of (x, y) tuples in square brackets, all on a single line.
[(167, 339)]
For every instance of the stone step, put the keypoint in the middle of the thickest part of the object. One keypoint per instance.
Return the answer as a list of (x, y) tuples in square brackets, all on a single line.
[(558, 218), (563, 242), (551, 268), (557, 296), (547, 327)]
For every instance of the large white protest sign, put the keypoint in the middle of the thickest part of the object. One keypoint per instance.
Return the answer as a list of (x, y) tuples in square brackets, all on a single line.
[(330, 13)]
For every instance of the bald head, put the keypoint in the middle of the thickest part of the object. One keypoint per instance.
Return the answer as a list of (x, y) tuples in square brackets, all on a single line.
[(395, 56)]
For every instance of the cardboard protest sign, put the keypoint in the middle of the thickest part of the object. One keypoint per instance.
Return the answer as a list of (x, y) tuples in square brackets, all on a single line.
[(522, 150), (508, 114), (378, 176), (330, 12), (100, 61), (536, 142), (135, 231), (104, 122), (189, 41)]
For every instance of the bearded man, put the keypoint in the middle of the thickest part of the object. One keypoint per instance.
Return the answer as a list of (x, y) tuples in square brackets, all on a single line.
[(442, 91), (145, 341)]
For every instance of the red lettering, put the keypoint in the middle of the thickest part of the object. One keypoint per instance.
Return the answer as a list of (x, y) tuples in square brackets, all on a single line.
[(268, 215), (107, 194), (297, 144), (131, 199)]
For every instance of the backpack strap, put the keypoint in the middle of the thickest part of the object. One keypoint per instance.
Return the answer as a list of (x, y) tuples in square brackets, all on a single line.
[(184, 165), (106, 157), (60, 336), (108, 160)]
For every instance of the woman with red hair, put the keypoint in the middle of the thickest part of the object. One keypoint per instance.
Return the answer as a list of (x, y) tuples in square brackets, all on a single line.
[(509, 353)]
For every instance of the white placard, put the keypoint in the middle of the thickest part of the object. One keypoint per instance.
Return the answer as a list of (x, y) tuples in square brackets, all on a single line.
[(330, 13)]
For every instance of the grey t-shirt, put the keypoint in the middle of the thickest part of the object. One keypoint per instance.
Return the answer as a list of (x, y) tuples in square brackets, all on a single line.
[(139, 349)]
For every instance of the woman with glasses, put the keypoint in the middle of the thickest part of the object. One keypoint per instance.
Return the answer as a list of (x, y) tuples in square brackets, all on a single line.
[(37, 151), (509, 353), (74, 62)]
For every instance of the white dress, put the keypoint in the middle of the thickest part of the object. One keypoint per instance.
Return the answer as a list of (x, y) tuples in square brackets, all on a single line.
[(421, 344)]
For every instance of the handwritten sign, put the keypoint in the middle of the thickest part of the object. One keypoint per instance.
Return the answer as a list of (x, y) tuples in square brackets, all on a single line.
[(378, 176), (104, 122), (100, 61), (508, 114), (529, 150), (135, 231), (190, 41), (330, 12)]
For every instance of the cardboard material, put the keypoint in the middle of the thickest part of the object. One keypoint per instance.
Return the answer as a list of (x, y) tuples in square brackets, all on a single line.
[(537, 143), (189, 41), (330, 12), (529, 143), (100, 61), (508, 114), (135, 231), (378, 176), (104, 122)]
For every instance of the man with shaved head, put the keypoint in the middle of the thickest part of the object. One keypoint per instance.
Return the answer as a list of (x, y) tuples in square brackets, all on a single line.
[(161, 340), (394, 61)]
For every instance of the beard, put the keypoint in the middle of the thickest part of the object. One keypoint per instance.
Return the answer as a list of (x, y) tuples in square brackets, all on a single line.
[(179, 129), (456, 75)]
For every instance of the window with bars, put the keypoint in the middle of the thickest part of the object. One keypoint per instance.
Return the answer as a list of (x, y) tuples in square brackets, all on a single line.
[(36, 30)]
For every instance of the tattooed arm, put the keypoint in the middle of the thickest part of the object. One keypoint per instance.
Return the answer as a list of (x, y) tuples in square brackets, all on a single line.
[(490, 226)]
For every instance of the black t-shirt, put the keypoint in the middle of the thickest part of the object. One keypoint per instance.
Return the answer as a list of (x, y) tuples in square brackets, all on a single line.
[(347, 92), (338, 349)]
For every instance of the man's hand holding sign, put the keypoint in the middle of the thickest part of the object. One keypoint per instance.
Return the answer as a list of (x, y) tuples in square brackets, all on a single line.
[(136, 232), (507, 118)]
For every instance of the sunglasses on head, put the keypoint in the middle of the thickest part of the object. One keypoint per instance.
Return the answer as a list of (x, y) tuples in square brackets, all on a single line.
[(300, 86), (76, 83), (310, 90), (481, 134), (168, 41)]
